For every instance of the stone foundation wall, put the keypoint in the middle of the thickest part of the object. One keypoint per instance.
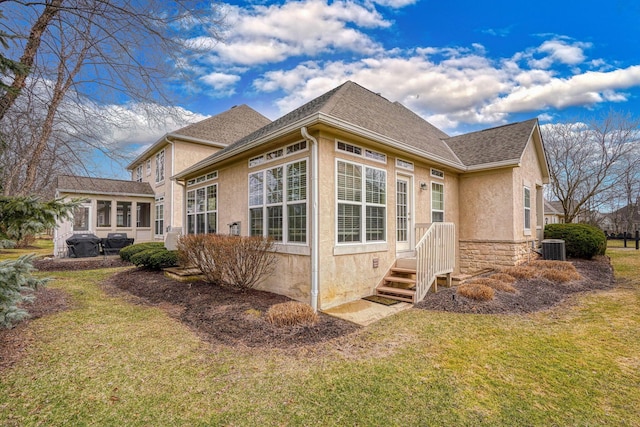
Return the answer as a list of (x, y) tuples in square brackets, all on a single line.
[(478, 254)]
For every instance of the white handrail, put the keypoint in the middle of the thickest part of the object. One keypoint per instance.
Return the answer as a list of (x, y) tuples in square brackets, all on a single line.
[(435, 255)]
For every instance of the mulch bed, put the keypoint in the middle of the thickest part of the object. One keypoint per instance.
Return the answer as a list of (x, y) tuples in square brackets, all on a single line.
[(224, 316), (531, 295), (75, 264)]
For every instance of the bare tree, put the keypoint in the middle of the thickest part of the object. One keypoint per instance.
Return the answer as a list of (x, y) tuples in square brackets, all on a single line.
[(86, 54), (587, 161)]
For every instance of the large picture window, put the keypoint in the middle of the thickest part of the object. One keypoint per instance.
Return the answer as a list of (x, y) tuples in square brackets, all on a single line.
[(437, 202), (361, 203), (202, 210), (278, 203), (123, 214)]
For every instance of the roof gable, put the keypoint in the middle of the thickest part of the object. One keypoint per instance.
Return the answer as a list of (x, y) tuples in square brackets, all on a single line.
[(359, 107), (89, 185), (219, 130), (495, 145)]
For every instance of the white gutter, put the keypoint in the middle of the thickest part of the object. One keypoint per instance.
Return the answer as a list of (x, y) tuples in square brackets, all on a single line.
[(315, 236)]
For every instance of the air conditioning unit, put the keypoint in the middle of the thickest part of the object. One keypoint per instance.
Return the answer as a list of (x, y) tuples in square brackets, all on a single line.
[(554, 249)]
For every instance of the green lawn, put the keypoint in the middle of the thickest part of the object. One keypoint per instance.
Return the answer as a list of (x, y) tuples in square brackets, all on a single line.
[(110, 362)]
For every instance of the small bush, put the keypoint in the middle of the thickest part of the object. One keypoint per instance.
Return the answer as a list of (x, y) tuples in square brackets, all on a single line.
[(291, 313), (15, 281), (555, 265), (520, 272), (559, 276), (475, 291), (7, 244), (503, 277), (495, 284), (235, 261), (154, 258), (128, 251), (581, 240)]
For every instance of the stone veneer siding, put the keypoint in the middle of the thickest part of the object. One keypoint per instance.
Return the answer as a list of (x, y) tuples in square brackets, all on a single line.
[(478, 254)]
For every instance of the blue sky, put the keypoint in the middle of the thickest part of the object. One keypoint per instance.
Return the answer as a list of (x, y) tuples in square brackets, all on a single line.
[(462, 65)]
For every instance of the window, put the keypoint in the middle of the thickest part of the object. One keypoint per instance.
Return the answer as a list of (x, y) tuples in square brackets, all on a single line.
[(437, 202), (81, 218), (437, 173), (139, 173), (149, 167), (278, 203), (202, 210), (159, 221), (357, 213), (123, 214), (375, 155), (349, 148), (143, 214), (103, 218), (527, 209), (404, 164), (160, 166)]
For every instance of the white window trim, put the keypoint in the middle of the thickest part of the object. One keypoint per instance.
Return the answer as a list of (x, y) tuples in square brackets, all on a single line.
[(160, 179), (363, 152), (443, 210), (362, 246), (527, 231), (437, 173), (404, 164), (285, 246), (159, 201), (205, 211), (262, 158)]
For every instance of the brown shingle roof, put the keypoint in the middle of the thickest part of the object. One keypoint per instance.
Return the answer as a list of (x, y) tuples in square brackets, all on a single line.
[(227, 127), (89, 185), (357, 106), (499, 144)]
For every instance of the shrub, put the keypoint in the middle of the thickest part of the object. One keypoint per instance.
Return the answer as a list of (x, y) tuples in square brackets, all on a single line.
[(291, 313), (581, 240), (7, 244), (498, 285), (559, 276), (519, 272), (503, 277), (239, 262), (15, 281), (128, 251), (475, 291), (154, 258)]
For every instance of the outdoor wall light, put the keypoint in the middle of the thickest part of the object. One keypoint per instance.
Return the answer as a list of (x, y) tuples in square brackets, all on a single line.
[(423, 185)]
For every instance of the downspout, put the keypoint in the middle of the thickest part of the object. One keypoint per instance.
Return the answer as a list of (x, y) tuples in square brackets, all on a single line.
[(315, 235), (173, 166)]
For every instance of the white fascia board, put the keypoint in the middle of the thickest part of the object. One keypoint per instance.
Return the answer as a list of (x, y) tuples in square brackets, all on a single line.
[(196, 140), (494, 165), (103, 193)]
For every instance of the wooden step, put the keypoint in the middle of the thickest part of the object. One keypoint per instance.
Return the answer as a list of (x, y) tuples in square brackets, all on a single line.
[(404, 295), (398, 291), (402, 270), (396, 279)]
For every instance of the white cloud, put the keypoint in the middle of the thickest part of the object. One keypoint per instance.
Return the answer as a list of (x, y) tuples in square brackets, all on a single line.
[(222, 83), (395, 4), (558, 50), (268, 34), (453, 86)]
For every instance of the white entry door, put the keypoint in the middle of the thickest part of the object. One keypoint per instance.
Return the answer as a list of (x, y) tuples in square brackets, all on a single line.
[(404, 212)]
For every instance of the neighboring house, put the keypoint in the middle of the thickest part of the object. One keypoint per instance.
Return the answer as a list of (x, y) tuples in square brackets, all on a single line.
[(553, 213), (109, 206), (180, 149), (625, 219), (351, 185)]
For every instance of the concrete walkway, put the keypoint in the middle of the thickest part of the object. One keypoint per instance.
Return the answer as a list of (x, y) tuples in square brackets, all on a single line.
[(363, 312)]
